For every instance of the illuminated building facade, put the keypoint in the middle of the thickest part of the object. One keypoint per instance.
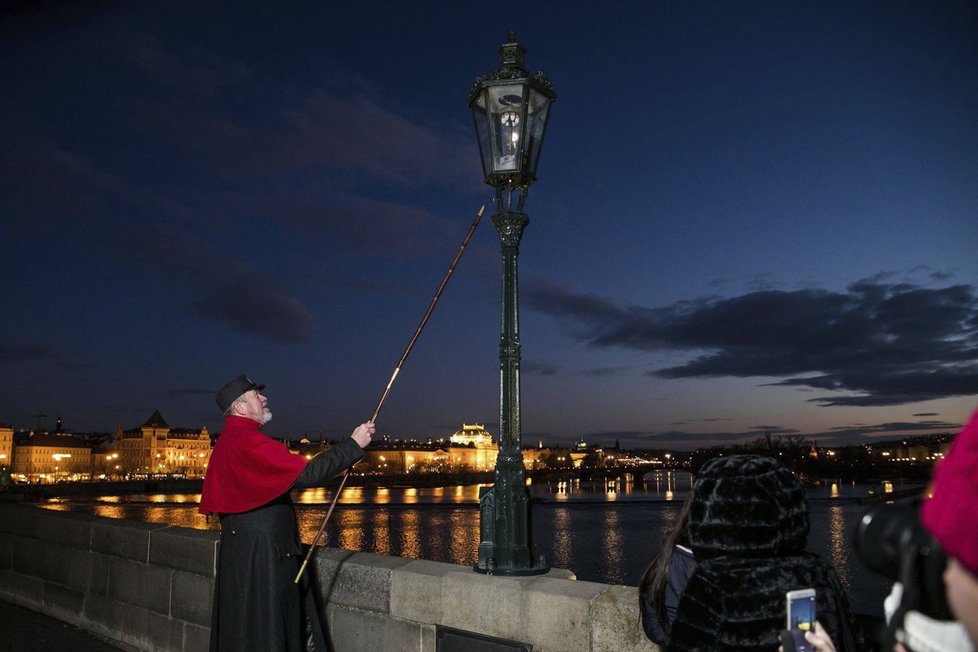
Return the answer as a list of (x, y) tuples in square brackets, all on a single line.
[(52, 457), (469, 449), (6, 446), (156, 449)]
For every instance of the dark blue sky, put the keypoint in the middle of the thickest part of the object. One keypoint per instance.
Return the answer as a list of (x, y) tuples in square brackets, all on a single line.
[(750, 217)]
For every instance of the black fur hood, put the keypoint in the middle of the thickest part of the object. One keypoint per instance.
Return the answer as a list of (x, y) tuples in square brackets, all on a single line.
[(747, 506)]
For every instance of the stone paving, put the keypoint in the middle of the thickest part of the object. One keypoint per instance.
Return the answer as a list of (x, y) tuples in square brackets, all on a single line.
[(23, 630)]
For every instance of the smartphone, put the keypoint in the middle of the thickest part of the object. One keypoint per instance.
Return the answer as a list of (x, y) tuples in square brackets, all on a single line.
[(801, 616)]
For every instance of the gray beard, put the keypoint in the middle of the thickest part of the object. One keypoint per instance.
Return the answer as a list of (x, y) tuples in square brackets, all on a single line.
[(266, 417)]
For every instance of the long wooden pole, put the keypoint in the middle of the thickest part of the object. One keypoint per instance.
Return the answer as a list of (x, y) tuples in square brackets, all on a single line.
[(390, 383)]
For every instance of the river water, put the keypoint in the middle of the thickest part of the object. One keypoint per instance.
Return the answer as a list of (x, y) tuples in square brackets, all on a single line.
[(604, 532)]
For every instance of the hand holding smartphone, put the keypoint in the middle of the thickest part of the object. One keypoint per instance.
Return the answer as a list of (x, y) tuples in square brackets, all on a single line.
[(801, 616)]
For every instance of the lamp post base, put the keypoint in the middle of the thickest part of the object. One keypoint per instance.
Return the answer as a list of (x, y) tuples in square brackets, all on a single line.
[(504, 520)]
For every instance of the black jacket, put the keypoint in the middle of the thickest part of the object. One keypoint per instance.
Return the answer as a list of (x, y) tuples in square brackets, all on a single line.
[(681, 566), (739, 604), (748, 528)]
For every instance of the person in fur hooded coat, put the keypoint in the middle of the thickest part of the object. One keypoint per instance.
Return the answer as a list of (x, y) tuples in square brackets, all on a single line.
[(748, 528)]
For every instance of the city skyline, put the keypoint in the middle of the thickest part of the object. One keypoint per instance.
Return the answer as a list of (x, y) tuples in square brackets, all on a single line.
[(749, 218)]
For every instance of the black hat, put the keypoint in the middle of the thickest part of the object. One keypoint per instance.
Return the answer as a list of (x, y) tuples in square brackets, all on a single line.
[(747, 506), (230, 392)]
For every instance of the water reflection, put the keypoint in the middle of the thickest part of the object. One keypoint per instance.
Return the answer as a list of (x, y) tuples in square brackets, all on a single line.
[(380, 525), (562, 550), (603, 531), (669, 484), (315, 496), (407, 530), (839, 543), (612, 561), (351, 529)]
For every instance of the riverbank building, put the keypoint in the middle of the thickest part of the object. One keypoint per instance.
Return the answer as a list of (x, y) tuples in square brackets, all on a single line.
[(156, 449), (51, 457)]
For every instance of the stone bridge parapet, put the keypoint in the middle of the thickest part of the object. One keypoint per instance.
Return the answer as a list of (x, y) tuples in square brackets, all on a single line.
[(145, 586)]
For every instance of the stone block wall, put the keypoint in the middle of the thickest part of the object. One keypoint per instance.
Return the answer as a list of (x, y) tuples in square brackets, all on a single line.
[(138, 585), (149, 587)]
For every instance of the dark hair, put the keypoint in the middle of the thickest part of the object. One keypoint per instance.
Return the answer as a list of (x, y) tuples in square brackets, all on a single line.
[(656, 574)]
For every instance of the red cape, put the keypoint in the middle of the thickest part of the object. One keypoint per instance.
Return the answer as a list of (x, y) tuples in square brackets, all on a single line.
[(247, 469)]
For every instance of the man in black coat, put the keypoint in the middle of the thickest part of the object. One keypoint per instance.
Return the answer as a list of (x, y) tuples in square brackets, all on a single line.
[(257, 605)]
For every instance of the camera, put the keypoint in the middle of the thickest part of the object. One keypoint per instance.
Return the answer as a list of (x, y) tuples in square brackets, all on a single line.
[(891, 541)]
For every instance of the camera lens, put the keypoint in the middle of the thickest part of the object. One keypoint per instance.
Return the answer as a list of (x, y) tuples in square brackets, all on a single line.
[(890, 540), (883, 535)]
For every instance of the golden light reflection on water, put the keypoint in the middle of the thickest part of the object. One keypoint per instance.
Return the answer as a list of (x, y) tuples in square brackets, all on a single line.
[(111, 512), (380, 524), (179, 516), (611, 561), (563, 539), (444, 535), (317, 495), (189, 518), (465, 536), (669, 519), (349, 496), (409, 541), (351, 526), (839, 544), (154, 498), (669, 484), (456, 495)]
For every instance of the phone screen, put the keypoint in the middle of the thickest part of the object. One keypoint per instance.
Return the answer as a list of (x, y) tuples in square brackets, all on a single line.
[(801, 616)]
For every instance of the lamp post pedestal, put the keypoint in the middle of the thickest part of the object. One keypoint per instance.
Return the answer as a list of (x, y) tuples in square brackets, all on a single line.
[(505, 533)]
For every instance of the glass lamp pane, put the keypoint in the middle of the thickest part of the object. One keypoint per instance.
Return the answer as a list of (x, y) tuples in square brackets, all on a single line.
[(507, 122), (481, 117), (536, 117)]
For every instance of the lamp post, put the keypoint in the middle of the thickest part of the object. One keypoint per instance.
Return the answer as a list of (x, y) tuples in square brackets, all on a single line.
[(510, 108)]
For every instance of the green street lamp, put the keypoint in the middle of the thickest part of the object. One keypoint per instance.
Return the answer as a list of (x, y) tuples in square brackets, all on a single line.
[(510, 107)]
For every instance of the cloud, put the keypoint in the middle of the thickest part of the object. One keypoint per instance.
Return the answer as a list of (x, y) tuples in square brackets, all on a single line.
[(208, 119), (601, 372), (677, 439), (875, 344), (843, 435), (359, 224), (541, 368), (891, 428), (228, 118), (38, 352), (187, 391), (27, 353), (253, 306)]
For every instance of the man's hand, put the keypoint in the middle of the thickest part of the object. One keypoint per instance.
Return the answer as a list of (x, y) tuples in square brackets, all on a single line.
[(363, 433)]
